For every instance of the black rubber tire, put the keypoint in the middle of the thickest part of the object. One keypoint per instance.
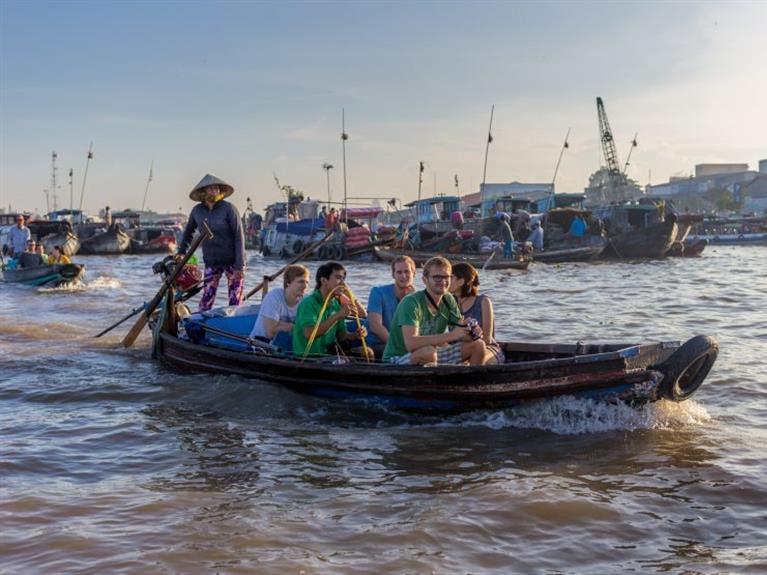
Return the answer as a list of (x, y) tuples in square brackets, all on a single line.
[(298, 247), (341, 253), (265, 251), (69, 271), (322, 253), (688, 366)]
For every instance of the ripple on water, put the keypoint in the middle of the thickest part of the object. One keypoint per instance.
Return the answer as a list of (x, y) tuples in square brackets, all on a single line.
[(113, 463)]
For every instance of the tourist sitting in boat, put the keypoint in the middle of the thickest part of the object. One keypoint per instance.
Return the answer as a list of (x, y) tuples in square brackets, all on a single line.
[(40, 250), (383, 301), (536, 236), (320, 326), (278, 307), (224, 253), (30, 258), (419, 329), (58, 256), (464, 285)]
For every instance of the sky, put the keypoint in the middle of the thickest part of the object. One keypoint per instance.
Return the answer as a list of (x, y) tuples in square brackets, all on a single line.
[(252, 90)]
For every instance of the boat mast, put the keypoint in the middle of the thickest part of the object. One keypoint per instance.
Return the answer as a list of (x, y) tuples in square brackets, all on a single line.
[(487, 147), (344, 137), (85, 177), (71, 192), (54, 155), (146, 191), (327, 167), (561, 153)]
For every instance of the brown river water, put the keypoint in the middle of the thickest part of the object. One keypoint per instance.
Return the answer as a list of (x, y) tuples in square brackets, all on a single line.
[(110, 463)]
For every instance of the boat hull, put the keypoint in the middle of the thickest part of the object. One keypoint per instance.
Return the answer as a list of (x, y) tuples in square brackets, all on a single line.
[(67, 241), (112, 242), (50, 275), (653, 241), (581, 254), (533, 372), (478, 261)]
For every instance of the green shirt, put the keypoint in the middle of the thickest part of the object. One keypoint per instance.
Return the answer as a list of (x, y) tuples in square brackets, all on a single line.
[(306, 316), (414, 310)]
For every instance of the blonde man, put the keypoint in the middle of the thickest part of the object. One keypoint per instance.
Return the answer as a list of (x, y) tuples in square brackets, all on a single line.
[(419, 332), (278, 308), (383, 302)]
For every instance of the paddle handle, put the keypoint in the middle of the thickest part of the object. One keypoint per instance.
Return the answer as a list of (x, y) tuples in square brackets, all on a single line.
[(296, 259), (134, 332)]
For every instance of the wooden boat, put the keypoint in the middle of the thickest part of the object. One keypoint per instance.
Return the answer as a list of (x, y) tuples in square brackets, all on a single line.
[(112, 241), (55, 233), (690, 248), (652, 241), (576, 254), (633, 373), (152, 240), (477, 260), (48, 275), (637, 230)]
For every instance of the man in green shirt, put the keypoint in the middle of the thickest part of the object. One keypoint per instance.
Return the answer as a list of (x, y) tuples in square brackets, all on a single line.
[(331, 328), (419, 329)]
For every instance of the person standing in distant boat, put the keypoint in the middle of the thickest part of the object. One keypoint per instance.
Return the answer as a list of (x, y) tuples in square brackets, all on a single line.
[(224, 254), (506, 236), (18, 236), (108, 216), (536, 236)]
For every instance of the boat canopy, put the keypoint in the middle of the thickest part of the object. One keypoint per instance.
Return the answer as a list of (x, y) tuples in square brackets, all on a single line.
[(361, 212)]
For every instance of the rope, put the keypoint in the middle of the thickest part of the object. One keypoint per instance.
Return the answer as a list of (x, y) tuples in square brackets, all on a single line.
[(324, 307)]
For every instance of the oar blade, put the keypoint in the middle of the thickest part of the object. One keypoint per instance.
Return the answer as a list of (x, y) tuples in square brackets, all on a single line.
[(135, 331)]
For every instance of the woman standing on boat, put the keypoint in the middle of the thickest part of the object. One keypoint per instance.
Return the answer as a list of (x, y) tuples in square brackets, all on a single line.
[(464, 284), (225, 252)]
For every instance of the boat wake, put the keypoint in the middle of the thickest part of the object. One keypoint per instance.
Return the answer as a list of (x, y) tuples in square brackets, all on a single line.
[(572, 416), (68, 287), (104, 283)]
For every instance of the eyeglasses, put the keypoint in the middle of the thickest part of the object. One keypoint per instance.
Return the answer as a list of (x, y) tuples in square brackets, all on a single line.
[(438, 278)]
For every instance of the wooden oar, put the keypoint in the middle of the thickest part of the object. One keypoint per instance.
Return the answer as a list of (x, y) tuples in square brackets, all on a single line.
[(487, 261), (134, 332), (296, 259), (191, 292)]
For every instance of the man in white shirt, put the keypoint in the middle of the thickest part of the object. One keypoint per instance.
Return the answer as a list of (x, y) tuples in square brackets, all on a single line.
[(278, 308)]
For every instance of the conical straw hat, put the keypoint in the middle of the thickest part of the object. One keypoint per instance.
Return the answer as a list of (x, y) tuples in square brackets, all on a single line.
[(197, 193)]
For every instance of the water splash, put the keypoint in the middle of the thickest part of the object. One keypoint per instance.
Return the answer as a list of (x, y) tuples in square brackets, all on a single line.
[(104, 282), (573, 416)]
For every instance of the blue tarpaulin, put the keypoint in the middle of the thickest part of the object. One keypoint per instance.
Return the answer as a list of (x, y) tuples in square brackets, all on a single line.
[(301, 227)]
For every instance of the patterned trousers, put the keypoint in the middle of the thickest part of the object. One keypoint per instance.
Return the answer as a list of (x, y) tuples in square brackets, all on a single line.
[(210, 286)]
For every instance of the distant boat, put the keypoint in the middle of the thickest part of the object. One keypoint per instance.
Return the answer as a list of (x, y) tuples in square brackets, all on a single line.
[(55, 233), (637, 230), (113, 241), (46, 275), (477, 260)]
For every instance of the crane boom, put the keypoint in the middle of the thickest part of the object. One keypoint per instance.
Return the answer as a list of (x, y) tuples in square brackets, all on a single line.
[(608, 142)]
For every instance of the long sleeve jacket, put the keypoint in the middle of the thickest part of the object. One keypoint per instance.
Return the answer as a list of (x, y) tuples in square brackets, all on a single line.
[(227, 248)]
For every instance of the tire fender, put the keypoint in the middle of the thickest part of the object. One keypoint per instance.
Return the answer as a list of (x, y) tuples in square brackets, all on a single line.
[(688, 366)]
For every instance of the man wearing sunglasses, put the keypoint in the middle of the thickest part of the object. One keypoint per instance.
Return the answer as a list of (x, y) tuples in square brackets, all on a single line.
[(427, 327)]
